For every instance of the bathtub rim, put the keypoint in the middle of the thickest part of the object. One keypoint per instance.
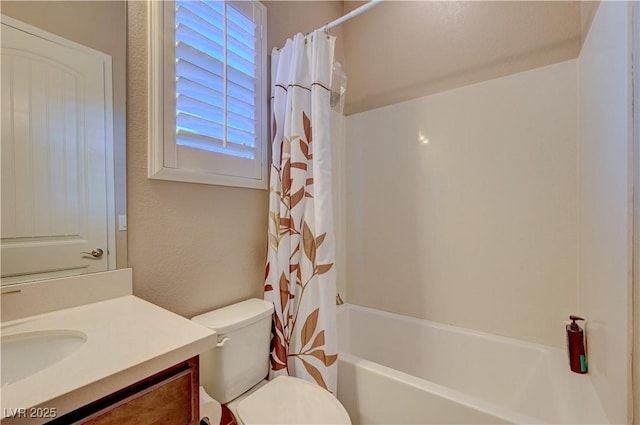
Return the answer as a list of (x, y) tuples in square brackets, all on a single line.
[(541, 348)]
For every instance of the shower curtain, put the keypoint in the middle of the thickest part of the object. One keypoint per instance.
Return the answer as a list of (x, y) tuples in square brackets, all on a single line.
[(300, 272)]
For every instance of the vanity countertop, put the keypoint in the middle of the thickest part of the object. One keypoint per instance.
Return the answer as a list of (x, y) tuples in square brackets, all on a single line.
[(128, 339)]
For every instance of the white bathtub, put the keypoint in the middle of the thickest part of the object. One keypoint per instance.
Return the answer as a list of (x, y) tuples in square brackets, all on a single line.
[(394, 369)]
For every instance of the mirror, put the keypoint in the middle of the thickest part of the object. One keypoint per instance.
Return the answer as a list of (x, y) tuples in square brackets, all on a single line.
[(45, 83)]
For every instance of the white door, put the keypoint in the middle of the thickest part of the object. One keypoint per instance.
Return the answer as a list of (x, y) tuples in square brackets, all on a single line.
[(54, 133)]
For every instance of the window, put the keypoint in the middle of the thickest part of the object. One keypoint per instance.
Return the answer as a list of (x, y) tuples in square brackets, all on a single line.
[(208, 92)]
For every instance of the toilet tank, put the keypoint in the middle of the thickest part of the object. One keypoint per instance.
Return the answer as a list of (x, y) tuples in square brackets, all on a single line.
[(241, 358)]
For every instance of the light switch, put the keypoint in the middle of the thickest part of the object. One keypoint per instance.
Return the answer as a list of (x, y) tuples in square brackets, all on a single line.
[(122, 222)]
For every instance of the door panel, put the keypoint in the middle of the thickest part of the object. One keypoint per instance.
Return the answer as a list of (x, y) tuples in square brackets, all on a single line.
[(54, 191)]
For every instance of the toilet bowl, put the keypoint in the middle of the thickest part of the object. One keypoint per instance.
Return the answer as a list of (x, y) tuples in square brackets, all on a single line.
[(288, 400), (234, 372)]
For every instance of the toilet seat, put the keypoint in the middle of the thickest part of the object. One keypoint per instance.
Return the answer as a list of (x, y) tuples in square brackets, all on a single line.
[(289, 400)]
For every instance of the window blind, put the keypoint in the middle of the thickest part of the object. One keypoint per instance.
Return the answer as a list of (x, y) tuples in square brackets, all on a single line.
[(216, 48)]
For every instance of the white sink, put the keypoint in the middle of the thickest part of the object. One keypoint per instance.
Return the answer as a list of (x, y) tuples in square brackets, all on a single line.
[(26, 353)]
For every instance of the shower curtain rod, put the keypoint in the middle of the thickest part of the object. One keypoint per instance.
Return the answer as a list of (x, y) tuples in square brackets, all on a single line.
[(352, 14)]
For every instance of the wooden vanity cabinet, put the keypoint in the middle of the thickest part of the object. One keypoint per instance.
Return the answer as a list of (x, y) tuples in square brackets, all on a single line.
[(170, 397)]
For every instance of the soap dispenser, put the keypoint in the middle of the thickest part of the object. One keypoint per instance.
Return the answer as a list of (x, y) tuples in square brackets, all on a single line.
[(576, 346)]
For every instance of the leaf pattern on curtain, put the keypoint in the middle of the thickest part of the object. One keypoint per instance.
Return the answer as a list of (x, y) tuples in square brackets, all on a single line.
[(285, 225), (300, 275)]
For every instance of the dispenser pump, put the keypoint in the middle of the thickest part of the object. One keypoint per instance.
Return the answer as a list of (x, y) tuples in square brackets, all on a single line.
[(574, 326)]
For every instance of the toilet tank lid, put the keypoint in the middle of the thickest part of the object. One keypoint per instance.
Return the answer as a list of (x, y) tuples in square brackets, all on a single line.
[(235, 316)]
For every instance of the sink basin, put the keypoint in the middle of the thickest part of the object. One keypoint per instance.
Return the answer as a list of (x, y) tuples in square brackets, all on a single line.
[(26, 353)]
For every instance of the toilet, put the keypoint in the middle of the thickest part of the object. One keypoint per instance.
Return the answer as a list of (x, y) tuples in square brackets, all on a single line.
[(234, 372)]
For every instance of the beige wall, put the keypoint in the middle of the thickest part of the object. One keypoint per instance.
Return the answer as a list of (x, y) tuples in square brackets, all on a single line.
[(402, 50), (477, 227), (587, 13), (100, 25), (605, 213), (196, 247)]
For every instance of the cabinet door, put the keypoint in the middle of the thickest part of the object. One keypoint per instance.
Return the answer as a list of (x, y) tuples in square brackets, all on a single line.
[(168, 402), (167, 398)]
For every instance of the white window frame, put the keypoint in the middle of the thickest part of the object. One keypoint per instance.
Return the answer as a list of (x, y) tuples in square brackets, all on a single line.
[(162, 164)]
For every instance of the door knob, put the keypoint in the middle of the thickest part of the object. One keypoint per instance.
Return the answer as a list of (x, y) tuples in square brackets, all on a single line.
[(96, 253)]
